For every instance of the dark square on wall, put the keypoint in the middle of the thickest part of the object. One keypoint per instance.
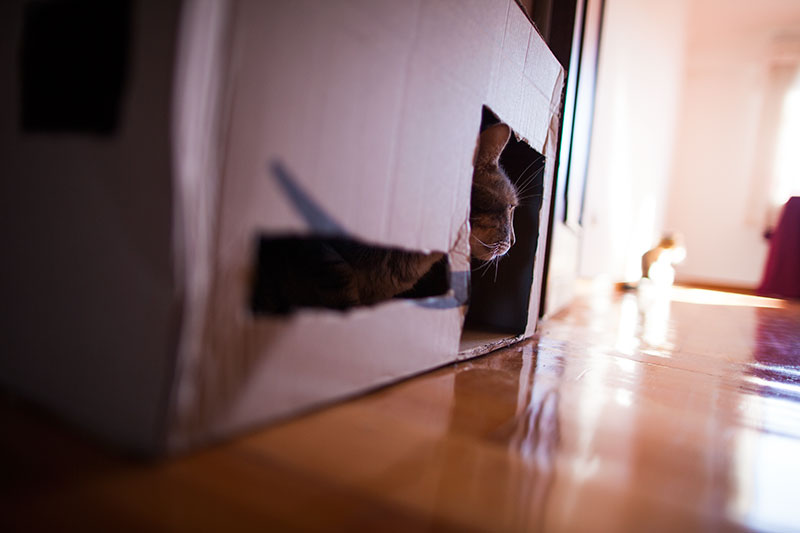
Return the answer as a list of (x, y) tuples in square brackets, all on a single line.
[(73, 62)]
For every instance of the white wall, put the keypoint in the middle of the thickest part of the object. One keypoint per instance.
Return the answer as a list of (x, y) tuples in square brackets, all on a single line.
[(641, 63), (719, 170), (677, 141)]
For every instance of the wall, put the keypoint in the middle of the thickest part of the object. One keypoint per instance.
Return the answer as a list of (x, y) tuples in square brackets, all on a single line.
[(720, 176), (641, 61), (678, 141)]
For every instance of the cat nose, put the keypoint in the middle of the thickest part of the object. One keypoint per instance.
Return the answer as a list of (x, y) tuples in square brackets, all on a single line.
[(513, 237)]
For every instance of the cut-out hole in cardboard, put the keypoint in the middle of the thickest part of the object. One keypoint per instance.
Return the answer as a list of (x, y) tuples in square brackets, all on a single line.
[(292, 273), (500, 292), (73, 65)]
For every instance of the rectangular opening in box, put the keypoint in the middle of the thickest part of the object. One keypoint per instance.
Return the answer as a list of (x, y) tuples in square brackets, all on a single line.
[(501, 289), (339, 273), (74, 59), (331, 270)]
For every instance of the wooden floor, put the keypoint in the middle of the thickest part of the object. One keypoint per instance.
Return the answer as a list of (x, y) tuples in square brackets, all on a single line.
[(628, 412)]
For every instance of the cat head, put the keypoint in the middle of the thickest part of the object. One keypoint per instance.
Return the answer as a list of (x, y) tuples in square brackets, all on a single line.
[(494, 197)]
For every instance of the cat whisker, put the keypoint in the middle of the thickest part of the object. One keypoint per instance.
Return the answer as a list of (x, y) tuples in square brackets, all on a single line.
[(522, 177), (483, 268), (527, 190), (536, 160), (528, 168), (524, 185), (530, 182), (522, 199), (493, 247)]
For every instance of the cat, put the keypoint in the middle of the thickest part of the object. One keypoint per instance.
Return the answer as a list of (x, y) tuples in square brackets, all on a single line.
[(493, 199), (340, 273), (657, 262)]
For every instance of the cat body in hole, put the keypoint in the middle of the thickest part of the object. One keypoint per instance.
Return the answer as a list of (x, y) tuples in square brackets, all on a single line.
[(341, 273)]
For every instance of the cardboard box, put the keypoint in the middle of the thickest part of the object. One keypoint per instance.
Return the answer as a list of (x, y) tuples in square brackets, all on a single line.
[(249, 120)]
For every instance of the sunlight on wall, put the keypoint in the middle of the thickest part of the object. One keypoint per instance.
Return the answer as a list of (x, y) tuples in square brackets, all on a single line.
[(677, 141), (638, 93), (787, 155)]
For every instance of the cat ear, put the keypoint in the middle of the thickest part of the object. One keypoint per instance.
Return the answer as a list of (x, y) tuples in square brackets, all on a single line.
[(492, 141)]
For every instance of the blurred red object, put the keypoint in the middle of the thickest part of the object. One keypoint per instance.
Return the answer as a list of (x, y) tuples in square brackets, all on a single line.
[(782, 272)]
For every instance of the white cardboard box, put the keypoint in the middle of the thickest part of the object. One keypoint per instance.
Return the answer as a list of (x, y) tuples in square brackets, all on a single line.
[(234, 114)]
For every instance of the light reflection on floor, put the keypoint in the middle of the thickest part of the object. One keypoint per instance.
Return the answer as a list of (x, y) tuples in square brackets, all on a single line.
[(766, 468), (713, 297), (736, 380)]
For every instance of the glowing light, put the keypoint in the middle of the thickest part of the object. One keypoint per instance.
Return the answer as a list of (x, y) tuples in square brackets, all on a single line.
[(787, 156), (711, 297), (627, 340), (624, 397)]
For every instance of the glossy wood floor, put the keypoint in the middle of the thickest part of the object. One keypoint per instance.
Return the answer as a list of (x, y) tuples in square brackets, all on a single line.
[(627, 413)]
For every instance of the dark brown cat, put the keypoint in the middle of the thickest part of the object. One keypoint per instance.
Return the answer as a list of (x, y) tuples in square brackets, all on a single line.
[(340, 273)]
